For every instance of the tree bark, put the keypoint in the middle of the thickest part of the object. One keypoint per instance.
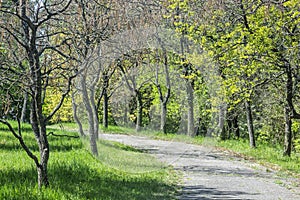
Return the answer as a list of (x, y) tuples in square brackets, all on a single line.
[(236, 126), (94, 112), (250, 124), (90, 113), (222, 117), (163, 118), (139, 114), (164, 100), (289, 109), (105, 100), (105, 109), (76, 118), (190, 100), (24, 107), (39, 128), (287, 132)]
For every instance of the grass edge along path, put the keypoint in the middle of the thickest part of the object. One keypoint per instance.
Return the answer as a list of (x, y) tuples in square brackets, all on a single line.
[(268, 155), (75, 174)]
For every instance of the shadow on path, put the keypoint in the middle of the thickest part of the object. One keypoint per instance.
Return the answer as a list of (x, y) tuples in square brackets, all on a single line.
[(200, 192)]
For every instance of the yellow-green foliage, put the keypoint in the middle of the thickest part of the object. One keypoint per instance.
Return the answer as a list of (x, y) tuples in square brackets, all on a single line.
[(65, 113)]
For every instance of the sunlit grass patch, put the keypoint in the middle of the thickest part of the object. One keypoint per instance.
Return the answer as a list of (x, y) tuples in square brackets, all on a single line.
[(75, 174), (125, 158)]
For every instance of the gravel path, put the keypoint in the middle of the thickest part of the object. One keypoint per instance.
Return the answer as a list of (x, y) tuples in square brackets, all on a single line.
[(212, 174)]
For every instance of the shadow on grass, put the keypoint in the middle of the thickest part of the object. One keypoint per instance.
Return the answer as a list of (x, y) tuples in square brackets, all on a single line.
[(23, 128), (10, 143), (9, 146), (78, 180)]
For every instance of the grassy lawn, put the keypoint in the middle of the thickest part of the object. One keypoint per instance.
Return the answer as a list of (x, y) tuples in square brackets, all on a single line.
[(120, 172)]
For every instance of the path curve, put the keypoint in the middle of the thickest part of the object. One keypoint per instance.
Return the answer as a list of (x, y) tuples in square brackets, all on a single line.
[(212, 174)]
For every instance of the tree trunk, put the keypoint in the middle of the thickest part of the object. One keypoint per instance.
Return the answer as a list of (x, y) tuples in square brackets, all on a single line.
[(236, 126), (93, 144), (39, 128), (287, 132), (233, 126), (250, 124), (190, 99), (42, 176), (37, 119), (163, 118), (90, 114), (163, 100), (24, 107), (222, 117), (94, 113), (44, 157), (139, 113), (289, 108), (78, 122), (105, 109)]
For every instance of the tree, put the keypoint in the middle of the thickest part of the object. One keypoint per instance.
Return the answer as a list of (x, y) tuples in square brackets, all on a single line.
[(37, 55), (284, 54), (179, 11), (93, 27), (255, 44), (163, 98), (135, 77)]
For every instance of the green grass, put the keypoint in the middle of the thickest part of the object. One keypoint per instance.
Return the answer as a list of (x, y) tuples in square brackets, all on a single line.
[(270, 156), (75, 174), (126, 158)]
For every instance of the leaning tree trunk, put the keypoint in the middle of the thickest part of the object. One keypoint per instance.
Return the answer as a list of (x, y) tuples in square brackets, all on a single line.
[(94, 113), (76, 118), (90, 115), (250, 124)]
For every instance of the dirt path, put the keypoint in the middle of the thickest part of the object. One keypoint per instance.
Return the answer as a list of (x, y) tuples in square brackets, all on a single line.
[(211, 174)]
